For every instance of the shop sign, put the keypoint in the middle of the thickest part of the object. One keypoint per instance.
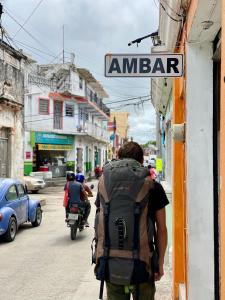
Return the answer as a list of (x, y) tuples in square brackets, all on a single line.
[(53, 138), (28, 155), (144, 65), (54, 147), (159, 165)]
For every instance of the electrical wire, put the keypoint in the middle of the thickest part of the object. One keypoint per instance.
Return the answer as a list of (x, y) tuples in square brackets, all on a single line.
[(173, 10), (129, 104), (24, 29), (163, 7), (28, 46), (130, 99), (28, 18)]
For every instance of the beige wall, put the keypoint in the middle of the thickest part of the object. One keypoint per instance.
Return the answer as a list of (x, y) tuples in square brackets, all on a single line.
[(122, 123)]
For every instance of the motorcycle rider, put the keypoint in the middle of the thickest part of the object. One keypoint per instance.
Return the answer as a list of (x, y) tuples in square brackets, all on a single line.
[(81, 179), (76, 192)]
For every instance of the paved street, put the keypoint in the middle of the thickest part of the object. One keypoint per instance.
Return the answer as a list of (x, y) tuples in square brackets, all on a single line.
[(43, 263)]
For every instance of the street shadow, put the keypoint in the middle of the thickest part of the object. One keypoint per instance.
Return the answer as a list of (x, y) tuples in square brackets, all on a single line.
[(66, 240), (21, 229)]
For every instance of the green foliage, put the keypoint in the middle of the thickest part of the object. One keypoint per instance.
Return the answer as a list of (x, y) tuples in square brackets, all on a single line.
[(146, 145)]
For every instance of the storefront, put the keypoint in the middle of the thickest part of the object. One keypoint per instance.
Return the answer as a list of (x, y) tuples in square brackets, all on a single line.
[(52, 152)]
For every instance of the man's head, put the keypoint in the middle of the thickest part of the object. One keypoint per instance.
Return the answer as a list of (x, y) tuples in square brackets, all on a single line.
[(70, 176), (131, 150)]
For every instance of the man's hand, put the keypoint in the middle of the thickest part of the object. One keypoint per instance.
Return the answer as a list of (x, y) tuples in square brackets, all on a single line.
[(159, 275)]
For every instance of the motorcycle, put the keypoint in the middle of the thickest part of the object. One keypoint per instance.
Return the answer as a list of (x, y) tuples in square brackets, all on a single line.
[(76, 216), (75, 220)]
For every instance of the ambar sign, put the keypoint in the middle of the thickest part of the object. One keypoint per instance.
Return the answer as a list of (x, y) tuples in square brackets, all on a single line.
[(144, 65)]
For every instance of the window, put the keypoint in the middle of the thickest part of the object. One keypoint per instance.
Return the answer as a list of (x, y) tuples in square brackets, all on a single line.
[(44, 106), (12, 193), (80, 83), (80, 114), (69, 110), (21, 190)]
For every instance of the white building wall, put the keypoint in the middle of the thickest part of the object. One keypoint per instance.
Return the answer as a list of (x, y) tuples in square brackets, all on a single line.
[(14, 122), (199, 151)]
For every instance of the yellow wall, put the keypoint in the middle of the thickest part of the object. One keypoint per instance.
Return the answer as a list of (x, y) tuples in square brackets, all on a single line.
[(122, 123)]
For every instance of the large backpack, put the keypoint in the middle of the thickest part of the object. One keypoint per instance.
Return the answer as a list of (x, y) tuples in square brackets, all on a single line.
[(123, 253)]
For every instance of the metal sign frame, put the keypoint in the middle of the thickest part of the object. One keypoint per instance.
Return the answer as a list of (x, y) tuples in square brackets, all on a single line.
[(158, 61)]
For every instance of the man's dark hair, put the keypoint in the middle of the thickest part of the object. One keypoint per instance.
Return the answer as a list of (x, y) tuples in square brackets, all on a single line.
[(131, 150)]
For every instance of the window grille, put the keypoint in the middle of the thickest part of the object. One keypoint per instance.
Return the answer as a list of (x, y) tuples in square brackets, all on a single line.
[(80, 83), (69, 110), (44, 106)]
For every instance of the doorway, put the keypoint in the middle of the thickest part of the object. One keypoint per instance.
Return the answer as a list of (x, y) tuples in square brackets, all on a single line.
[(4, 153)]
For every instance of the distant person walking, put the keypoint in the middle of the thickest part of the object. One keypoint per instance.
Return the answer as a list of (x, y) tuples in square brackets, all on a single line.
[(152, 172)]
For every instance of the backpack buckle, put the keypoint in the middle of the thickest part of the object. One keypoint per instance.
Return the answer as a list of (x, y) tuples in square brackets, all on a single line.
[(137, 209)]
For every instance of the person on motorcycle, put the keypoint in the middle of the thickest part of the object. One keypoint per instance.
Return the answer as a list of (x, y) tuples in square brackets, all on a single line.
[(81, 179), (76, 192)]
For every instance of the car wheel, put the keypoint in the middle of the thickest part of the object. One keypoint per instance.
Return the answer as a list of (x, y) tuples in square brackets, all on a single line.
[(10, 234), (35, 192), (38, 218)]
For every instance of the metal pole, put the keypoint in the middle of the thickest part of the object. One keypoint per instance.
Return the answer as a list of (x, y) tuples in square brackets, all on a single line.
[(63, 47)]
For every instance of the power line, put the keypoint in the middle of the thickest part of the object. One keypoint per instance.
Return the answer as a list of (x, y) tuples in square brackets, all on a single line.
[(179, 15), (129, 104), (26, 45), (129, 99), (172, 18), (28, 18), (34, 38)]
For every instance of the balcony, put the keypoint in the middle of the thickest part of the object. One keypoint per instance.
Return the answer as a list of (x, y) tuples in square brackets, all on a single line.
[(94, 131)]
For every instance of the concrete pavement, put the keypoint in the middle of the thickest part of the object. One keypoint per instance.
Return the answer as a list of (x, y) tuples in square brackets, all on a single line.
[(43, 263)]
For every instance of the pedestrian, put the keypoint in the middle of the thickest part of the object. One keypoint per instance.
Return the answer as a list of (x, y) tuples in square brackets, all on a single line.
[(152, 172), (130, 212), (81, 179)]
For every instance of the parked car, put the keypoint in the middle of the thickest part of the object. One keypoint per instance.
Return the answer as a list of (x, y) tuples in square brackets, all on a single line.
[(33, 184), (16, 208)]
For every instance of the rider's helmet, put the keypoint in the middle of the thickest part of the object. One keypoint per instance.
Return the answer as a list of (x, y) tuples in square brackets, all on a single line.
[(80, 178), (70, 176)]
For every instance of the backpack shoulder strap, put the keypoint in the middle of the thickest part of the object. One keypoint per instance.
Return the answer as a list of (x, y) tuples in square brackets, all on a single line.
[(147, 185), (102, 189)]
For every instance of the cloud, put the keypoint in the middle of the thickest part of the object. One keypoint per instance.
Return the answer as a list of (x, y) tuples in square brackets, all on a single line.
[(92, 29)]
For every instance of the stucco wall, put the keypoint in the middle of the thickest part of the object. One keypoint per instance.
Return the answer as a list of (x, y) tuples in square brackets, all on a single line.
[(11, 116), (14, 122), (199, 151)]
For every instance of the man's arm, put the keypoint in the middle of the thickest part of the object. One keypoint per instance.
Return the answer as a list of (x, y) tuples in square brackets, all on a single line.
[(161, 235), (88, 190), (83, 194)]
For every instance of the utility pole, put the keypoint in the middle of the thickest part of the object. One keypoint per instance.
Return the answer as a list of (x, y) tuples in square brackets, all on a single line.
[(63, 47), (114, 137), (1, 12)]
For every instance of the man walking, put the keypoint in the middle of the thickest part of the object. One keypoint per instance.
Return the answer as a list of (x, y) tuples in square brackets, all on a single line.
[(130, 228)]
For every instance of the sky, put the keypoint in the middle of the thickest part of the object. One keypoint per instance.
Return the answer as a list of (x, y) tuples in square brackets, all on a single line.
[(92, 28)]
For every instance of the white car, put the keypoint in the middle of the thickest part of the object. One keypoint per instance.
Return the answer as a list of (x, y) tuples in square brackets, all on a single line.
[(33, 184), (152, 162)]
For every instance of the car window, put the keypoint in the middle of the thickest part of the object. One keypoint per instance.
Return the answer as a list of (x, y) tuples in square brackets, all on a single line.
[(21, 190), (12, 193)]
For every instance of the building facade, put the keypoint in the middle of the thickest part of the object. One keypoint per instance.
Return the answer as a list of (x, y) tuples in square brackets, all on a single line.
[(12, 68), (120, 136), (195, 107), (65, 120)]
